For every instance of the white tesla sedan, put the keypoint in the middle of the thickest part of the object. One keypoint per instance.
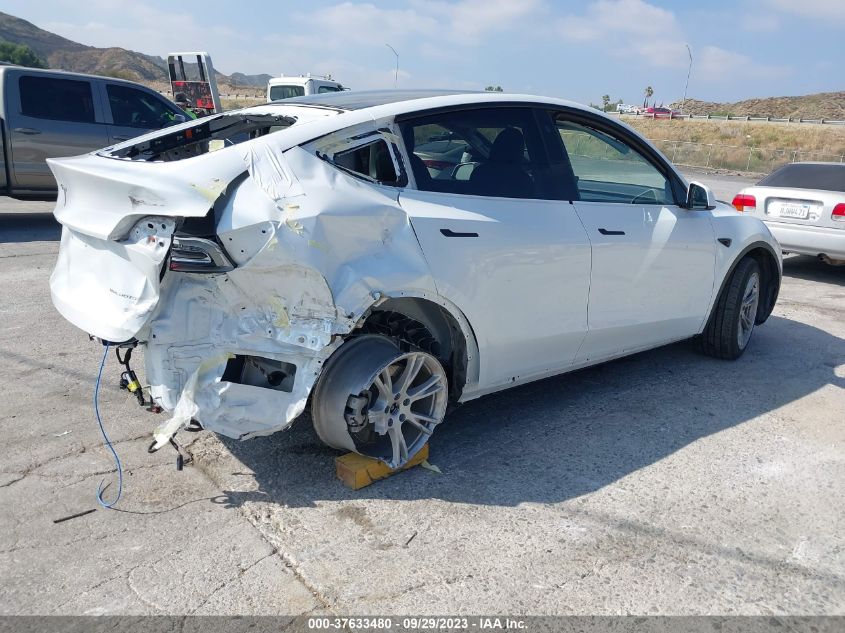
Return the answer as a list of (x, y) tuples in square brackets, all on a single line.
[(302, 249)]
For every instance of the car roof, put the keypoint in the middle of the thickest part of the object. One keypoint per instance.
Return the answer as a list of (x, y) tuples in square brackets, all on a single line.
[(69, 74), (385, 103), (360, 99)]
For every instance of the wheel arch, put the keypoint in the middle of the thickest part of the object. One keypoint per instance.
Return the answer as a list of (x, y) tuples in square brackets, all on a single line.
[(454, 341), (767, 258)]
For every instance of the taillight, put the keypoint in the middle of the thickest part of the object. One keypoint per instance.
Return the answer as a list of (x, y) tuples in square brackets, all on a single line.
[(838, 212), (198, 255), (744, 202)]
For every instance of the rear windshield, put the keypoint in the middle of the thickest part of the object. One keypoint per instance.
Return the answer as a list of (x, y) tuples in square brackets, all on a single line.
[(286, 92), (202, 136), (825, 177)]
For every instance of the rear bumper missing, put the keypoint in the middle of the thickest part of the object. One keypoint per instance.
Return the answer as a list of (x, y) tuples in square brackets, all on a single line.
[(240, 351)]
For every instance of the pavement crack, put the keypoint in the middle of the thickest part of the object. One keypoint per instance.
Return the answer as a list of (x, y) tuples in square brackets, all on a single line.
[(13, 481), (289, 561), (228, 581)]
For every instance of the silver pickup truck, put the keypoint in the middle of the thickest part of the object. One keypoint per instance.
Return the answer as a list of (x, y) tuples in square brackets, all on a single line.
[(49, 113)]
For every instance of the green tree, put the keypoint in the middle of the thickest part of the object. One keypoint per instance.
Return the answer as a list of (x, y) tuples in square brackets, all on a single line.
[(648, 92), (20, 54), (494, 89), (605, 102)]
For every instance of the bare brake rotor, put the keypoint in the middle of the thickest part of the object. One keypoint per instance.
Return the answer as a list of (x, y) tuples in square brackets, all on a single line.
[(379, 401)]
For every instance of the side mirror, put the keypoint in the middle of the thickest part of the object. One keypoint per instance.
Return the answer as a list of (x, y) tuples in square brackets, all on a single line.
[(700, 196)]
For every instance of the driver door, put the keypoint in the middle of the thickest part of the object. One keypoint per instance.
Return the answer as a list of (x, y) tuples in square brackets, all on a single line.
[(652, 260)]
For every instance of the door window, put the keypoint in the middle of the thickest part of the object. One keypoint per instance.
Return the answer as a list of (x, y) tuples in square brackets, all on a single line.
[(607, 169), (496, 152), (137, 108), (59, 99)]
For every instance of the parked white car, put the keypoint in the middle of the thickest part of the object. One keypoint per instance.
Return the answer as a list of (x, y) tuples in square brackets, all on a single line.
[(626, 108), (803, 204), (302, 249)]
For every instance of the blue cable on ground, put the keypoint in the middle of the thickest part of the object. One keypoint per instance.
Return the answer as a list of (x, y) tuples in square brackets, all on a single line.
[(100, 488)]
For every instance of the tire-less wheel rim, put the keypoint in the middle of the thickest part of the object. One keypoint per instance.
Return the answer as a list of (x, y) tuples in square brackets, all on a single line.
[(405, 400), (748, 310), (378, 401)]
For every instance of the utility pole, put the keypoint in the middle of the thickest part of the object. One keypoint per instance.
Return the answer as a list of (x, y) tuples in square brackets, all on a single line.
[(686, 85), (396, 74)]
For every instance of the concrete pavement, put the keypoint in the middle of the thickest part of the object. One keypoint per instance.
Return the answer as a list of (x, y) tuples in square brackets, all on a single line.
[(665, 483)]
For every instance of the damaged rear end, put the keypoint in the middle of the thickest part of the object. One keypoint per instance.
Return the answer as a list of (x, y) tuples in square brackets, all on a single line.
[(171, 241), (241, 263)]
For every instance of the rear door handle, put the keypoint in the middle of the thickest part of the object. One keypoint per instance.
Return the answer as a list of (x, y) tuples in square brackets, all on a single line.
[(451, 233), (121, 138), (606, 232), (26, 130)]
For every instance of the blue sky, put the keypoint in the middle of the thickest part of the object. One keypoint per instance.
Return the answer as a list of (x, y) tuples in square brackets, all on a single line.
[(575, 50)]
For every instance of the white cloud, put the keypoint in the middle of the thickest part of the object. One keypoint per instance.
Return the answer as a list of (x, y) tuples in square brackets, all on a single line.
[(760, 22), (433, 30), (822, 9), (654, 37), (468, 21), (716, 64), (135, 26), (630, 27), (366, 24)]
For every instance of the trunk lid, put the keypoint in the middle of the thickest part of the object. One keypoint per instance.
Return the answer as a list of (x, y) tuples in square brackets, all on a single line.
[(118, 221), (807, 207)]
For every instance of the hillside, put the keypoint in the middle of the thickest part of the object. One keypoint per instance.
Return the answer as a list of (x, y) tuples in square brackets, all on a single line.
[(823, 105), (258, 81), (66, 54)]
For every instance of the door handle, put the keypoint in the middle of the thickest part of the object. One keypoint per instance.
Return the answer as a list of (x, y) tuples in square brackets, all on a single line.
[(121, 138), (26, 130), (606, 232), (451, 233)]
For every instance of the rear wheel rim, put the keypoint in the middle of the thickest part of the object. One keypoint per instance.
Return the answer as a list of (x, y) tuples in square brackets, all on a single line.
[(410, 401), (748, 310)]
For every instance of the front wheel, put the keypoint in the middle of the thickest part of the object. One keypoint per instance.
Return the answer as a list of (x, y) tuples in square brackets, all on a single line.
[(378, 401), (730, 326)]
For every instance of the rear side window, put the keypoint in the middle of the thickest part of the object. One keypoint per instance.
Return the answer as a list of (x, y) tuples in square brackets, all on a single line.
[(372, 160), (286, 92), (494, 152), (823, 177), (59, 99), (323, 89), (136, 108)]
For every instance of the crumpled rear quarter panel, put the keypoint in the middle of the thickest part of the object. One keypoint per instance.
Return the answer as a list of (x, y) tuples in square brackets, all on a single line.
[(314, 248)]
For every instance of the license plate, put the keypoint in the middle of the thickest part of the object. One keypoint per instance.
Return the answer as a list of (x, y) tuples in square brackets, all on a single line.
[(791, 210)]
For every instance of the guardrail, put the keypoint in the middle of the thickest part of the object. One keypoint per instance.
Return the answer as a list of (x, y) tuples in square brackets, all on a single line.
[(756, 160), (728, 117)]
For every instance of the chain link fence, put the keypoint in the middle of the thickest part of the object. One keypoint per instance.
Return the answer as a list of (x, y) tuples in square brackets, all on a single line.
[(755, 160)]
